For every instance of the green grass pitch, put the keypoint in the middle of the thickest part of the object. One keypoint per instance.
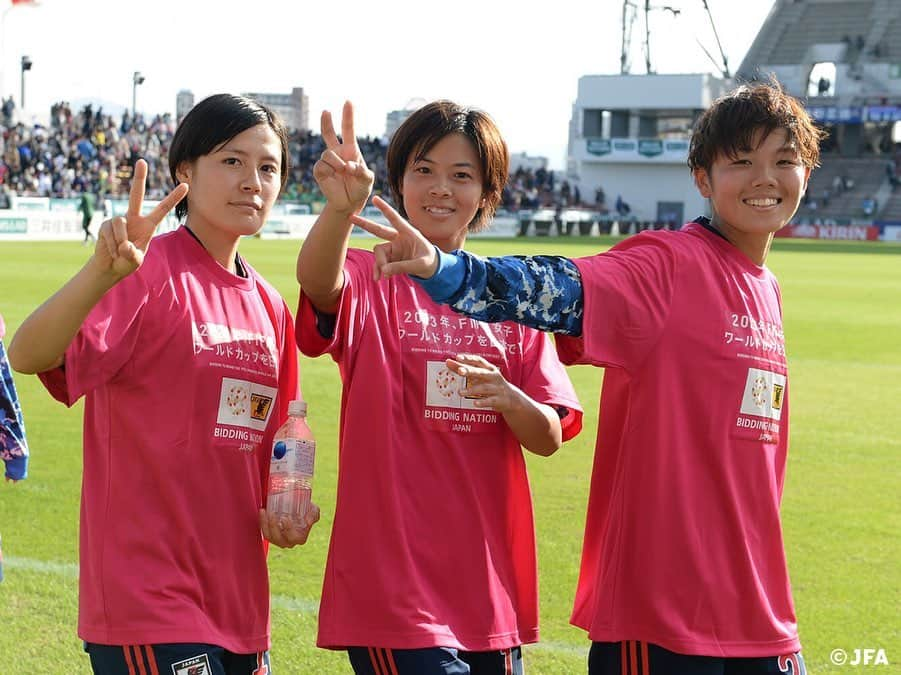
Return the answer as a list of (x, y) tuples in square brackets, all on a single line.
[(840, 509)]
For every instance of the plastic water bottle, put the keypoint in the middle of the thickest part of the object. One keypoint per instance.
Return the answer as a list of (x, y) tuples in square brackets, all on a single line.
[(291, 466)]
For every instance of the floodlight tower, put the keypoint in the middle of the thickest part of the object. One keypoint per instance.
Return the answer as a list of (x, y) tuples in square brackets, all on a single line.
[(3, 40), (26, 66), (136, 79), (630, 12), (725, 68)]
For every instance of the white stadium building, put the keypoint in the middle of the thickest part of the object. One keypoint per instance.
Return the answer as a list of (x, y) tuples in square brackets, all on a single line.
[(629, 133)]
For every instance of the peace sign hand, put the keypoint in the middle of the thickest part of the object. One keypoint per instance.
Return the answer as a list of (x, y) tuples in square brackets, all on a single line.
[(405, 249), (341, 171), (123, 241)]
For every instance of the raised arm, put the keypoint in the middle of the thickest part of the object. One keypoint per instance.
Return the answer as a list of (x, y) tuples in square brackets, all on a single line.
[(543, 292), (346, 183), (43, 337)]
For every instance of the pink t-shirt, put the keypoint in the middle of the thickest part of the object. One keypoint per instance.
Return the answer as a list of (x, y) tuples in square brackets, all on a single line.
[(683, 544), (433, 541), (185, 378)]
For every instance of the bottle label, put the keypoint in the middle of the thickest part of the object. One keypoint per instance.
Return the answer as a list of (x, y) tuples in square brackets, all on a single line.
[(293, 455)]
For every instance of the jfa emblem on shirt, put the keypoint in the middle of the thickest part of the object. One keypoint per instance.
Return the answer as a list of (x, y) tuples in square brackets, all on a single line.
[(259, 406), (764, 394), (778, 389), (196, 665)]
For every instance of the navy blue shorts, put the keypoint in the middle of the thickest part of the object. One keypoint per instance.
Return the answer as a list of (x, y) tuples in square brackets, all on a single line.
[(434, 661), (174, 659), (632, 657)]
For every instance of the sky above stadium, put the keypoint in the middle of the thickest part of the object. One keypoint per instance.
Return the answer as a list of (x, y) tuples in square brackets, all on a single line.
[(520, 60)]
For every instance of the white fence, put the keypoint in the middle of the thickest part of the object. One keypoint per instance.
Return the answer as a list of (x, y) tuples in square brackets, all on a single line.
[(42, 219)]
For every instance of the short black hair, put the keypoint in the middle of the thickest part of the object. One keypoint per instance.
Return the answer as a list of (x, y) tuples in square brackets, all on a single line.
[(731, 123), (427, 126), (214, 122)]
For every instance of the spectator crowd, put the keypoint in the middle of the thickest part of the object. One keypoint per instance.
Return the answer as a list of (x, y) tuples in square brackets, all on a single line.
[(92, 151), (87, 151)]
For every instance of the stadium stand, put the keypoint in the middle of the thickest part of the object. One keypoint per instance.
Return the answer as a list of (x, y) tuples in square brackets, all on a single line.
[(623, 135), (859, 43), (859, 178), (90, 150), (842, 58), (821, 23)]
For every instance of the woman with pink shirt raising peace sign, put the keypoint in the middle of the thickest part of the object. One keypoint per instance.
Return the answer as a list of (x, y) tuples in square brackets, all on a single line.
[(186, 358), (431, 567)]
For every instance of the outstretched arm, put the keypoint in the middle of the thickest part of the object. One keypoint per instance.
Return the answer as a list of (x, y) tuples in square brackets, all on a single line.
[(536, 425), (543, 292), (346, 183), (43, 337)]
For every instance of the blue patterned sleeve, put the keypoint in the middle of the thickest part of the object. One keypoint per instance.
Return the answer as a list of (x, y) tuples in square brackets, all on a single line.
[(13, 447), (543, 292)]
